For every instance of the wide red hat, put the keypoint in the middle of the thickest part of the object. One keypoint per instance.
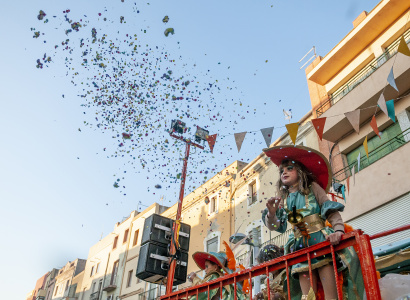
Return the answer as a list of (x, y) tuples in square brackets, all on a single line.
[(218, 258), (313, 160)]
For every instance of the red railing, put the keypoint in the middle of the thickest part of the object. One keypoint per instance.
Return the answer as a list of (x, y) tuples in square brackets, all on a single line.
[(354, 238)]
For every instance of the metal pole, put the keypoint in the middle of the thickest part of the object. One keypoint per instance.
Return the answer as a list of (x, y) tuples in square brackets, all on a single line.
[(171, 271)]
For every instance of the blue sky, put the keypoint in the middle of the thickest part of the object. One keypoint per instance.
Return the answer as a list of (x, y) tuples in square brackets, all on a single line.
[(56, 183)]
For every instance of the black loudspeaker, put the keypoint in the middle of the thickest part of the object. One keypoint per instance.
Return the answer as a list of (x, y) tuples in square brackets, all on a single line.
[(153, 264), (154, 252), (157, 229)]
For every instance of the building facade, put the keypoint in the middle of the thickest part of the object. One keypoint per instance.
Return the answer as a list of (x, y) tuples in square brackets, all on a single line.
[(352, 77), (64, 279)]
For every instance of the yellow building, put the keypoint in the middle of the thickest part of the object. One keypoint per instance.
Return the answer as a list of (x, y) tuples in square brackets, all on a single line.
[(351, 77)]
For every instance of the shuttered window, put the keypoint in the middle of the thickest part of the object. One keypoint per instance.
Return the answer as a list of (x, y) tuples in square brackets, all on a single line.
[(389, 216)]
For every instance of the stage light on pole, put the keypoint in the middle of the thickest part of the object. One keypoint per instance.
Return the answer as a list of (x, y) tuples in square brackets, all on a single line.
[(201, 134)]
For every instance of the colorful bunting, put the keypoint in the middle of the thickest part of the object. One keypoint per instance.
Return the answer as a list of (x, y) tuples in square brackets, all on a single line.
[(288, 114), (319, 125), (343, 193), (365, 147), (211, 141), (390, 110), (239, 137), (267, 135), (373, 124), (354, 119), (403, 48), (391, 81), (293, 131), (358, 162), (382, 104)]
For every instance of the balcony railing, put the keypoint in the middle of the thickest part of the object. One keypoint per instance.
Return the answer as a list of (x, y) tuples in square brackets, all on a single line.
[(151, 294), (362, 75), (95, 295), (279, 240), (374, 155)]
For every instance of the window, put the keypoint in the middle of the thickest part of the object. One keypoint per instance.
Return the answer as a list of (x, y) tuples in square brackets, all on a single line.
[(99, 286), (129, 278), (94, 285), (381, 146), (97, 268), (115, 242), (114, 273), (66, 285), (136, 233), (253, 197), (212, 245), (92, 271), (55, 293), (213, 205), (125, 236)]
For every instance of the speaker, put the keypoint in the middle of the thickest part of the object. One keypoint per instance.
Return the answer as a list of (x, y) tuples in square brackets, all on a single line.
[(153, 264), (157, 229)]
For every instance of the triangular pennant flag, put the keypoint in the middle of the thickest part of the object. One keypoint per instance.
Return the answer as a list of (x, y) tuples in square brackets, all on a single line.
[(348, 184), (390, 110), (211, 141), (353, 173), (288, 114), (358, 163), (365, 147), (373, 124), (403, 48), (239, 137), (343, 193), (319, 124), (354, 119), (293, 131), (391, 81), (267, 135), (382, 104)]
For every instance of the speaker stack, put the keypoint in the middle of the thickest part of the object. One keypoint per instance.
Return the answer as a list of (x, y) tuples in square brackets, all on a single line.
[(154, 252)]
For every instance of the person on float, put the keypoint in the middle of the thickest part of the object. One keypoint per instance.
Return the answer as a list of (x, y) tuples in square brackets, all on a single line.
[(276, 278), (304, 181), (215, 265)]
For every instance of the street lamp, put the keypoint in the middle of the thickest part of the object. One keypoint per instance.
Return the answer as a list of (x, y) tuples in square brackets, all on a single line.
[(255, 245)]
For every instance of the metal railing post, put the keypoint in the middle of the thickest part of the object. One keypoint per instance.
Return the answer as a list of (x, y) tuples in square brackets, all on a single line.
[(371, 283)]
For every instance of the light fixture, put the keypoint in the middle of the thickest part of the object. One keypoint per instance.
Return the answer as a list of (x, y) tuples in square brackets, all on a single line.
[(200, 134)]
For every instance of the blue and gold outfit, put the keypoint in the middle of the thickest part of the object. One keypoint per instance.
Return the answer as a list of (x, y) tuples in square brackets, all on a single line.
[(314, 231)]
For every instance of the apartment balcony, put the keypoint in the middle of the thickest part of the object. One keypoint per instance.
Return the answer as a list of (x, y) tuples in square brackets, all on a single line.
[(95, 295), (109, 288), (364, 93), (41, 294)]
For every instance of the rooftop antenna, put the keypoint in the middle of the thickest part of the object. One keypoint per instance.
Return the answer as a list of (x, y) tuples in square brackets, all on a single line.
[(313, 56)]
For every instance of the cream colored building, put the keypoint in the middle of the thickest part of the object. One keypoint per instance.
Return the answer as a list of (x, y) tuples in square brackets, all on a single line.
[(352, 76), (210, 212), (111, 258), (64, 278)]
